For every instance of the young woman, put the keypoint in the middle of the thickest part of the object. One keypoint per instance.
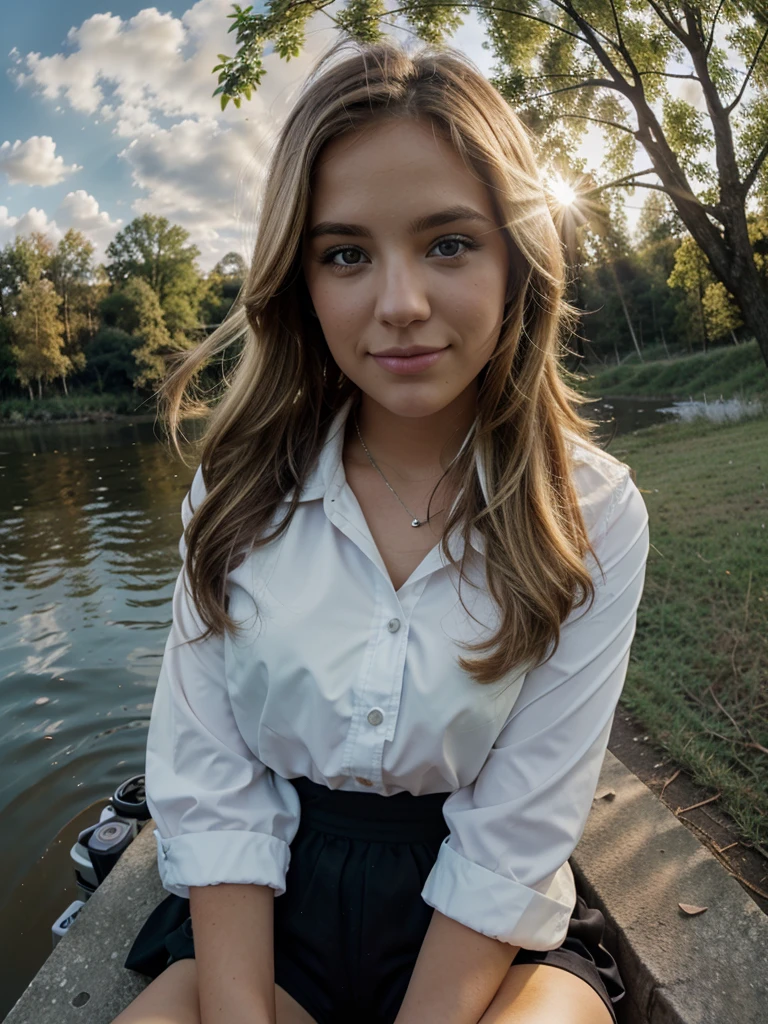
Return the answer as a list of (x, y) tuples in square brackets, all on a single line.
[(356, 821)]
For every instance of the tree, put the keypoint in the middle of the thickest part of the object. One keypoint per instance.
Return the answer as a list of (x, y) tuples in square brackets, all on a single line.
[(222, 286), (715, 308), (155, 251), (156, 341), (658, 220), (564, 65), (111, 363), (38, 336), (70, 270)]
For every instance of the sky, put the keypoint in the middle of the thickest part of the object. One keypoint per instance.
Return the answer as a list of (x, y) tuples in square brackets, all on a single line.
[(108, 113)]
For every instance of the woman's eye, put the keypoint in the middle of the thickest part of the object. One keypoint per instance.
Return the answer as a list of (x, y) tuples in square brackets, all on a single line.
[(347, 250)]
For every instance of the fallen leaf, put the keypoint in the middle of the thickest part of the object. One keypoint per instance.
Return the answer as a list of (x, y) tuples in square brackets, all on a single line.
[(42, 700), (607, 794), (689, 908)]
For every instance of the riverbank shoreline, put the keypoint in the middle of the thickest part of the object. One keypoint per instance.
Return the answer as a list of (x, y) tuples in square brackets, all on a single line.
[(736, 371), (94, 417), (77, 407)]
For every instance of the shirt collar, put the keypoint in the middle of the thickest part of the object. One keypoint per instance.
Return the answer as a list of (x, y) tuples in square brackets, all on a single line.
[(329, 463)]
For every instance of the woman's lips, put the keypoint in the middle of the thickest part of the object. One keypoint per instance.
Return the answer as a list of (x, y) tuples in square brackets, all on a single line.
[(409, 364)]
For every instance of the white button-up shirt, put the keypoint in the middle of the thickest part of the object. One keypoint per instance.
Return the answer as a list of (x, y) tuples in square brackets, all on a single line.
[(354, 684)]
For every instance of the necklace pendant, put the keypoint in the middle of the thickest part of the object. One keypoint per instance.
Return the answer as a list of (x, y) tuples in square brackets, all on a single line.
[(415, 522)]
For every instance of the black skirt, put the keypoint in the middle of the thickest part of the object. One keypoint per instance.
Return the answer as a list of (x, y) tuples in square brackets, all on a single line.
[(349, 927)]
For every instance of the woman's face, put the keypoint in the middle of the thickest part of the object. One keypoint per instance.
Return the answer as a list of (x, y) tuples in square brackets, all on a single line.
[(380, 281)]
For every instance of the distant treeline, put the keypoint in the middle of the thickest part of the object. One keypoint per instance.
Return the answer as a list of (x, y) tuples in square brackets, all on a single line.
[(67, 323)]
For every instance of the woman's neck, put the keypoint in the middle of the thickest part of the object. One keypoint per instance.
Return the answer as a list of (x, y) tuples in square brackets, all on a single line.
[(410, 448)]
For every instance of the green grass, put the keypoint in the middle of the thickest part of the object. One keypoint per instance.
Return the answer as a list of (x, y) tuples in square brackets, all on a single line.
[(735, 371), (73, 406), (698, 674)]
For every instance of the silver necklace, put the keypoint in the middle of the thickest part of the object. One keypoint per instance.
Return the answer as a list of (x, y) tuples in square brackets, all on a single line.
[(414, 520)]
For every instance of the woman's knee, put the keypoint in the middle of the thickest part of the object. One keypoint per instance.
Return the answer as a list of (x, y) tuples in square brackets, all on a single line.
[(532, 993), (170, 999)]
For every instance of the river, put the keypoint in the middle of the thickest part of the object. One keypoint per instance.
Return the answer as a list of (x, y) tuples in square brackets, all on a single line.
[(89, 531)]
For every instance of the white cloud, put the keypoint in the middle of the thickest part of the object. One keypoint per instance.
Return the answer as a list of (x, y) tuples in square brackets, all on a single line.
[(136, 75), (80, 210), (32, 220), (133, 72), (77, 210), (34, 162)]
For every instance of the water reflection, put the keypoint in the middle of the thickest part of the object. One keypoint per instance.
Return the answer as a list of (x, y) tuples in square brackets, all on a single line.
[(89, 531)]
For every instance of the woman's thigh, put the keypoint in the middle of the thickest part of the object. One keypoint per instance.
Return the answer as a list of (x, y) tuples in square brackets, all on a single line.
[(532, 993), (172, 999)]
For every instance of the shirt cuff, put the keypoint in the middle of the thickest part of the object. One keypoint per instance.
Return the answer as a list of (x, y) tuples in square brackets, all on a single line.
[(211, 858), (500, 907)]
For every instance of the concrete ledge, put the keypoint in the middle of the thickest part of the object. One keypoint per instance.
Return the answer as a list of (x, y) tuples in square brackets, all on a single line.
[(635, 863), (88, 960)]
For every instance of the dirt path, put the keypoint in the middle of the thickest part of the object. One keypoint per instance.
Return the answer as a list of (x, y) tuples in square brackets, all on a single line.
[(630, 743)]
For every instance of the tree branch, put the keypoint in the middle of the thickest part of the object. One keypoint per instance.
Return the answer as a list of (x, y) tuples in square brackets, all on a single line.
[(605, 83), (751, 68), (620, 181), (501, 10), (755, 169), (616, 23), (566, 10), (600, 120), (620, 82), (712, 28), (669, 74), (671, 24), (713, 210)]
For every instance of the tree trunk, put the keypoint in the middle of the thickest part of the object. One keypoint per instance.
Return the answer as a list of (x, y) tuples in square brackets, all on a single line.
[(701, 317), (664, 342), (626, 312), (752, 297), (31, 393), (39, 387), (64, 382)]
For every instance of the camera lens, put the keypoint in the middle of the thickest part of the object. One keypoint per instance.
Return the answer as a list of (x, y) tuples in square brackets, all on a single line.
[(109, 833)]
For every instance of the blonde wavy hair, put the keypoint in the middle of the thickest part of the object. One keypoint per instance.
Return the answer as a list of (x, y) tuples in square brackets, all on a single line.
[(267, 422)]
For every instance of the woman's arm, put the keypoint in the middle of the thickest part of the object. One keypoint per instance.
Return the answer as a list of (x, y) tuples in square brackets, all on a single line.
[(502, 870), (234, 950), (458, 972)]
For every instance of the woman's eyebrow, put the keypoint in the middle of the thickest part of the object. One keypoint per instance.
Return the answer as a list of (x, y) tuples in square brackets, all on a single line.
[(432, 220)]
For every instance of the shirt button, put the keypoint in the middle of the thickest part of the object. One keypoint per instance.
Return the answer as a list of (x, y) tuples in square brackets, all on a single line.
[(393, 625), (375, 716), (363, 782)]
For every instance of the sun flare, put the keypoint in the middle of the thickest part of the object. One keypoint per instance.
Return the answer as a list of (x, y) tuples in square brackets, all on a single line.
[(562, 191)]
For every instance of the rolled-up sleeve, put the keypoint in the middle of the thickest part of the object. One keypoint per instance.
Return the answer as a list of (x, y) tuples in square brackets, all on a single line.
[(220, 814), (503, 870)]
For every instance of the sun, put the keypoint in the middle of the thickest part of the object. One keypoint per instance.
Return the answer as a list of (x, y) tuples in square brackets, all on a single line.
[(562, 191)]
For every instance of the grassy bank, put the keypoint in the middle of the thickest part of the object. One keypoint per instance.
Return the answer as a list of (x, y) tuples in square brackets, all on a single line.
[(698, 676), (737, 371), (80, 405)]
